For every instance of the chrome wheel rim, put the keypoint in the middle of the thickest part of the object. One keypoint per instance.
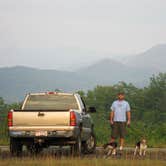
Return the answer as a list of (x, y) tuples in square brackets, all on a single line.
[(90, 142)]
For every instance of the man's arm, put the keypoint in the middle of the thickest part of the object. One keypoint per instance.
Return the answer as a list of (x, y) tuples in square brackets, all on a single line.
[(128, 117), (111, 117), (128, 114)]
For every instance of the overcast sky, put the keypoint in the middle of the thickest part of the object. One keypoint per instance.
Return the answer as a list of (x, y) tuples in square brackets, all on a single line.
[(55, 33)]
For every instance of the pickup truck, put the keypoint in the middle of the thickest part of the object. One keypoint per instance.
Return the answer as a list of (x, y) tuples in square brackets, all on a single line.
[(51, 119)]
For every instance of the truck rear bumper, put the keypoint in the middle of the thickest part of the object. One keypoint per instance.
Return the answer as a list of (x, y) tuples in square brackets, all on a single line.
[(44, 131)]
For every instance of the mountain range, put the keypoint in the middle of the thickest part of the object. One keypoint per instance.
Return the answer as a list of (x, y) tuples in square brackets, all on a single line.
[(16, 81)]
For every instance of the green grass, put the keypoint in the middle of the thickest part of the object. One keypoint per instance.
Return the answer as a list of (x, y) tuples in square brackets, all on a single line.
[(78, 162)]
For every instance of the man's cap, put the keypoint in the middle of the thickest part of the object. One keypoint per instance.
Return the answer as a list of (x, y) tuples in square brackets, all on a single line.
[(120, 93)]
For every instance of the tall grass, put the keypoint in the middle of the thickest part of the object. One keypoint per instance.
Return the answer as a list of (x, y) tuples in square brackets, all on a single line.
[(4, 139), (79, 162)]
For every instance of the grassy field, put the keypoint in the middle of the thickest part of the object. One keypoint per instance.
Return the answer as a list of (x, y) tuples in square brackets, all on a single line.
[(79, 162), (50, 158), (53, 157)]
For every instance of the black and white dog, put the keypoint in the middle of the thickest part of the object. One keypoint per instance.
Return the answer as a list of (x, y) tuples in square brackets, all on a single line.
[(141, 147), (110, 149)]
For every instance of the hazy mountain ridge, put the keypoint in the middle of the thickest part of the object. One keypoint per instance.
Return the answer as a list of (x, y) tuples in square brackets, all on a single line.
[(154, 58), (17, 81), (105, 72)]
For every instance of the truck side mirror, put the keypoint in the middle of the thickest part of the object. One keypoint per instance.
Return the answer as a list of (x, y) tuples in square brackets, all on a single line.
[(92, 109)]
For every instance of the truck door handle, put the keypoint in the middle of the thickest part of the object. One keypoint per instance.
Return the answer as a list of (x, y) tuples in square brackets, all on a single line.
[(40, 114)]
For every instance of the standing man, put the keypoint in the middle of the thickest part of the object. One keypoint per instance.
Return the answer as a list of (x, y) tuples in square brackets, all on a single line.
[(120, 117)]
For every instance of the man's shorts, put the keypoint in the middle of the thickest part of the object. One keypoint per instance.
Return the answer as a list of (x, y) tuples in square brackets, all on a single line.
[(118, 129)]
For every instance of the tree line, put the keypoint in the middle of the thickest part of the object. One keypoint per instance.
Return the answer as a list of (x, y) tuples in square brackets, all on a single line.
[(148, 106)]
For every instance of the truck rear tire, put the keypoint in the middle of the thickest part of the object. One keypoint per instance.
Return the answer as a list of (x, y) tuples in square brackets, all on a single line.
[(89, 145), (15, 147), (77, 147)]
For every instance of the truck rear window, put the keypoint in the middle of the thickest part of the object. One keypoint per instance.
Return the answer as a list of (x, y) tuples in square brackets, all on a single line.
[(51, 102)]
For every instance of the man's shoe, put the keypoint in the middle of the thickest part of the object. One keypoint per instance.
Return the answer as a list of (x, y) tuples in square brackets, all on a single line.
[(121, 148)]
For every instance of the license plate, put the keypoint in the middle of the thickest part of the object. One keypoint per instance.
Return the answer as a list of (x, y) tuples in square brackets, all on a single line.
[(41, 133)]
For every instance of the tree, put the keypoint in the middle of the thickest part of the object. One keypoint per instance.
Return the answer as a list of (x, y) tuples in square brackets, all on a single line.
[(155, 96), (1, 101)]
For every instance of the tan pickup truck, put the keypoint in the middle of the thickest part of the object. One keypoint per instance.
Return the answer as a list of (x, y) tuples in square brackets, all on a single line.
[(51, 118)]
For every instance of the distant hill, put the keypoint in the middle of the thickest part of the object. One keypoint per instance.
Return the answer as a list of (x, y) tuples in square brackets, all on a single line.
[(15, 82), (136, 69), (106, 71), (154, 59)]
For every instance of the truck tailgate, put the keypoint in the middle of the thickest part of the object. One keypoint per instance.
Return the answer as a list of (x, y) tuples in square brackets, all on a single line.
[(41, 118)]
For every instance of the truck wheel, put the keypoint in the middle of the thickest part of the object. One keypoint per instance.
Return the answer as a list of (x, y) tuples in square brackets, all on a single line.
[(15, 147), (77, 147), (89, 145)]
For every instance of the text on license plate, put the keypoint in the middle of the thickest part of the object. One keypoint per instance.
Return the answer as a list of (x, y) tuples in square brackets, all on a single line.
[(41, 133)]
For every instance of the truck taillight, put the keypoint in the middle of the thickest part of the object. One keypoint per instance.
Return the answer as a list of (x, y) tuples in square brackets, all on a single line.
[(72, 118), (51, 93), (10, 119)]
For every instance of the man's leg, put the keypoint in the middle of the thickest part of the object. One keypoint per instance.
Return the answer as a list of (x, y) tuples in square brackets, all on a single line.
[(122, 134), (114, 132), (114, 135), (121, 143)]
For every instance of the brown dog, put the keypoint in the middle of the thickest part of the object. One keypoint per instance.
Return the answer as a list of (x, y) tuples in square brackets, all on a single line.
[(141, 147), (110, 149)]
